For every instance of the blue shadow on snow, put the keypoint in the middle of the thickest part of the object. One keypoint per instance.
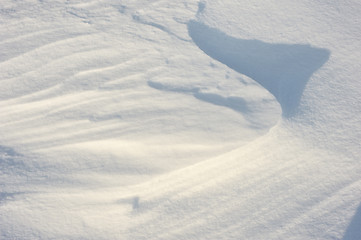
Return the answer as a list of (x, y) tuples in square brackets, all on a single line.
[(353, 231), (283, 69)]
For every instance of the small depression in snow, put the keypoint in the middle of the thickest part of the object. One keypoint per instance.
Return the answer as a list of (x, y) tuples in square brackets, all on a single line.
[(283, 69)]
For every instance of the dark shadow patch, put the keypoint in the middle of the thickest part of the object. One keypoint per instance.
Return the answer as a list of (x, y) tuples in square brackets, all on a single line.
[(201, 7), (162, 28), (9, 159), (237, 104), (134, 201), (353, 231), (283, 69), (9, 196), (121, 8), (168, 88), (7, 151)]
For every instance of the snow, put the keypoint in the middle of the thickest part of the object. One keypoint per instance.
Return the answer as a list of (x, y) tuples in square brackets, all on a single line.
[(180, 119)]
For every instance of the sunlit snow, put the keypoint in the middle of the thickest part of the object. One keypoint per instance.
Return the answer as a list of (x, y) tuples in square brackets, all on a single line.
[(180, 119)]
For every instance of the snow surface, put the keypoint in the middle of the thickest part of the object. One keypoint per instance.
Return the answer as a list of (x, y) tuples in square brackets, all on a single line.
[(180, 119)]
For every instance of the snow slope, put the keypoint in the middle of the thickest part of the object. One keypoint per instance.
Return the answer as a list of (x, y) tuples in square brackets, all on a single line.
[(180, 120)]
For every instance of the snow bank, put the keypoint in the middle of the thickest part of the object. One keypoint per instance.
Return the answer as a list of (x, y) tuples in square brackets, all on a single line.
[(180, 120)]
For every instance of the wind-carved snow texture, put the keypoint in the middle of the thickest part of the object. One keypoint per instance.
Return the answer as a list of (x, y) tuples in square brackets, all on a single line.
[(283, 69), (90, 150)]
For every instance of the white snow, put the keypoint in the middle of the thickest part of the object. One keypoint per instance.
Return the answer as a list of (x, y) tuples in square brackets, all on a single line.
[(180, 119)]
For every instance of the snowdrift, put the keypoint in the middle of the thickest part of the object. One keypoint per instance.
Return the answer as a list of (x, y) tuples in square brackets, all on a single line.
[(180, 120)]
